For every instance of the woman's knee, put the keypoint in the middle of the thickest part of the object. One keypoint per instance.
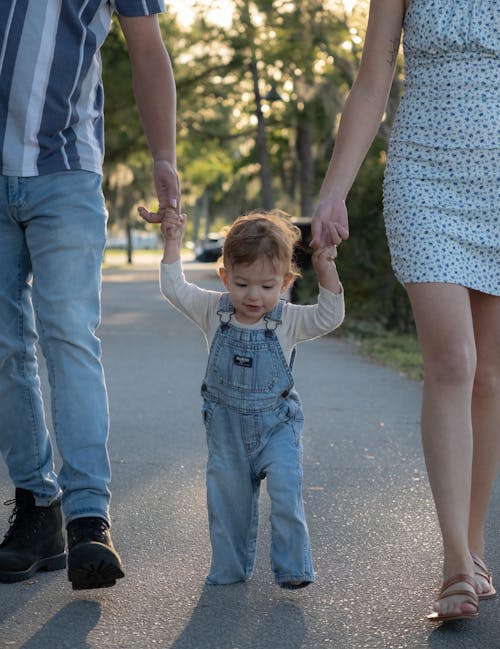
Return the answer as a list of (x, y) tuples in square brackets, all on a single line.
[(451, 364), (487, 381)]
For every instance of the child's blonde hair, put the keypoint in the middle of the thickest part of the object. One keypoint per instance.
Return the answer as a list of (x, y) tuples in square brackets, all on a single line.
[(269, 234)]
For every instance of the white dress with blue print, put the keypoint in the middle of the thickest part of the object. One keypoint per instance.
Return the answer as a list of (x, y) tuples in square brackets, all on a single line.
[(442, 179)]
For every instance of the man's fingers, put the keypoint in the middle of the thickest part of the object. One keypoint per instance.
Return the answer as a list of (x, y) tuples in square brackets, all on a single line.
[(150, 217)]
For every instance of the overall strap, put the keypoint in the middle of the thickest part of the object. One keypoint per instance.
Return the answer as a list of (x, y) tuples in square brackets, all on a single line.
[(226, 309), (273, 318)]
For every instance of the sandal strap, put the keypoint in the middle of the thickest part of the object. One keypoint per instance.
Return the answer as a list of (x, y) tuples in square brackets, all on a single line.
[(470, 596), (456, 579), (481, 569)]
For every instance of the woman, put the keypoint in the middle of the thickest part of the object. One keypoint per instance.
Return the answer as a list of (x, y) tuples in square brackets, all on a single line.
[(441, 208)]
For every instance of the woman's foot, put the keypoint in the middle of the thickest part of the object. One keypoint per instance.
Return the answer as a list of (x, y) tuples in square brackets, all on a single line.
[(457, 600), (484, 582)]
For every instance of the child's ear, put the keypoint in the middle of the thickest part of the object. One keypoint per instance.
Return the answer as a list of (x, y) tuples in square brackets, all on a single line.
[(223, 275), (287, 281)]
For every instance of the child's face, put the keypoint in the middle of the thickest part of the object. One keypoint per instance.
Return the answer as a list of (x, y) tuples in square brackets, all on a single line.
[(255, 289)]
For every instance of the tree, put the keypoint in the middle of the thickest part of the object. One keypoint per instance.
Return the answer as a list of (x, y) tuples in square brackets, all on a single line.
[(258, 107)]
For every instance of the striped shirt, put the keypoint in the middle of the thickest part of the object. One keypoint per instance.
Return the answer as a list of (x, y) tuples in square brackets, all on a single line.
[(51, 95)]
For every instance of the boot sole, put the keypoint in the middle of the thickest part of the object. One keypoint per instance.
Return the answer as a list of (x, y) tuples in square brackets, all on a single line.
[(47, 564), (93, 565)]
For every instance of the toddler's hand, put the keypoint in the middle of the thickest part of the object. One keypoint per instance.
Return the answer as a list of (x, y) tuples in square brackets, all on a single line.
[(172, 225), (323, 259)]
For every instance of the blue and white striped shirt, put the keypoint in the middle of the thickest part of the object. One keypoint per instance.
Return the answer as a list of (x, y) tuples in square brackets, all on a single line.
[(51, 95)]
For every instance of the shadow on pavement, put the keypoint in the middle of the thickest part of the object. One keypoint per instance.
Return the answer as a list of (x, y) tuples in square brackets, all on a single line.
[(68, 628), (481, 633), (227, 617)]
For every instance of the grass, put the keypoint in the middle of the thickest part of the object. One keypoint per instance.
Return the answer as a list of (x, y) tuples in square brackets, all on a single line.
[(398, 351), (118, 257)]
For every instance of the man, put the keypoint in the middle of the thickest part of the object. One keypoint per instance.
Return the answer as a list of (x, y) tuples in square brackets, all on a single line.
[(52, 235)]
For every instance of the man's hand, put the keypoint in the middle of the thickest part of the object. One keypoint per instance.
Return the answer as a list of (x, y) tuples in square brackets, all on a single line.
[(167, 190)]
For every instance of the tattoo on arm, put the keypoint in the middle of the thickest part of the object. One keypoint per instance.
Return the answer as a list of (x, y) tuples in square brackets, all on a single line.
[(393, 52)]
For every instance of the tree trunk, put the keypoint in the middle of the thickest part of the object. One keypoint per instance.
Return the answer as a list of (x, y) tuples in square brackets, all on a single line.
[(306, 163), (129, 242), (261, 144)]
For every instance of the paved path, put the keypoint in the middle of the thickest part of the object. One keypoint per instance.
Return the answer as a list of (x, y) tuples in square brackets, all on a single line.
[(373, 528)]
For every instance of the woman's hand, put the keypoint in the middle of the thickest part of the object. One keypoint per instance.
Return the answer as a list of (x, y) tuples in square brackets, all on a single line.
[(329, 223)]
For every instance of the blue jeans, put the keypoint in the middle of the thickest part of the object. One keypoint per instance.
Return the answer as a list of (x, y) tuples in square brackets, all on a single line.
[(253, 419), (52, 236)]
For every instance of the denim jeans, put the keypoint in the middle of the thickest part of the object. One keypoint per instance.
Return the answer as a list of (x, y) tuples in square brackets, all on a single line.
[(253, 419), (52, 236)]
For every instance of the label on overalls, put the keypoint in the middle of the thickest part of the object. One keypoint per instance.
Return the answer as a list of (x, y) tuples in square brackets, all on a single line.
[(242, 361)]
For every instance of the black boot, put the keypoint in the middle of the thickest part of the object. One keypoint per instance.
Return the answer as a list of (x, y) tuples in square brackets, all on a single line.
[(34, 541), (93, 561)]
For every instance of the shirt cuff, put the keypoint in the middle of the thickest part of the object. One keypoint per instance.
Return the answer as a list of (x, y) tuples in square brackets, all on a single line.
[(136, 8)]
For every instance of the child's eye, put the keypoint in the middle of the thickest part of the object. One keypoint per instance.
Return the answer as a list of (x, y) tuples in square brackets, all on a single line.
[(268, 287), (240, 285)]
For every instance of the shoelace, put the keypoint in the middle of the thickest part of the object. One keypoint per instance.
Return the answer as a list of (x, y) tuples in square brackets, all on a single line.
[(12, 518), (17, 521), (92, 529)]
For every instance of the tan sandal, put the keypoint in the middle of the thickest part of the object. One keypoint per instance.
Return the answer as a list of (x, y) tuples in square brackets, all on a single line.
[(481, 570), (470, 597)]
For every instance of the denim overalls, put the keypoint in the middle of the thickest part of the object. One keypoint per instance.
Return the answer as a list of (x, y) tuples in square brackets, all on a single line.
[(253, 419)]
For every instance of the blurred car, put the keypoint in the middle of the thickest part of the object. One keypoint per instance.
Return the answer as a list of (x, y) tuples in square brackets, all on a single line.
[(210, 248)]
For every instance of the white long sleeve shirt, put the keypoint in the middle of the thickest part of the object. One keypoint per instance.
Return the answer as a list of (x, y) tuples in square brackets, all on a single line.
[(299, 322)]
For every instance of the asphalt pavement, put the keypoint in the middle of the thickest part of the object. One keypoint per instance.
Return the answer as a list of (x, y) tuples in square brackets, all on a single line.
[(374, 532)]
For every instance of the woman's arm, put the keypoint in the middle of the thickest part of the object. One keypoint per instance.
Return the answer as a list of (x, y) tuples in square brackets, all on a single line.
[(360, 120)]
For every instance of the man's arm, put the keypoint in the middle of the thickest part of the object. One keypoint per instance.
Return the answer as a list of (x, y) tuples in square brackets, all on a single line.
[(155, 96)]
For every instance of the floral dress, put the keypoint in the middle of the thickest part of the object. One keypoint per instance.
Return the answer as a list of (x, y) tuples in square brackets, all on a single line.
[(442, 179)]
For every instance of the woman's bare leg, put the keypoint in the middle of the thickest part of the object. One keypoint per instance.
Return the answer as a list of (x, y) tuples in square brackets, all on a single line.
[(485, 416), (445, 330)]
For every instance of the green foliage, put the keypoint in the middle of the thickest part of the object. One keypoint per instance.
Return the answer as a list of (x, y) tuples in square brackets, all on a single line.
[(217, 102), (306, 53), (372, 292), (124, 135), (398, 350)]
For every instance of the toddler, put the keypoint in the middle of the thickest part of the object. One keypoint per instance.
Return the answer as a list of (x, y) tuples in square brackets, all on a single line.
[(251, 411)]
